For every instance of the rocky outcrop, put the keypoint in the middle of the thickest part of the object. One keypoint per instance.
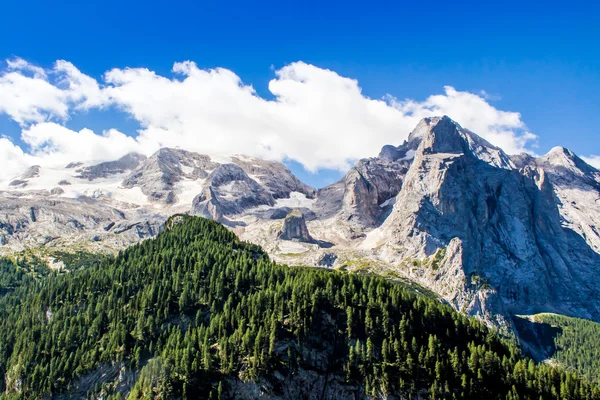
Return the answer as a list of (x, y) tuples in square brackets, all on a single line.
[(124, 164), (577, 189), (294, 228), (71, 224), (230, 191), (359, 198), (158, 175), (22, 181), (274, 176)]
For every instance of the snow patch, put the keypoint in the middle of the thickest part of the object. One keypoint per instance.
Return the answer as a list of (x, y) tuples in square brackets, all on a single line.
[(186, 169), (410, 154), (187, 190), (296, 200)]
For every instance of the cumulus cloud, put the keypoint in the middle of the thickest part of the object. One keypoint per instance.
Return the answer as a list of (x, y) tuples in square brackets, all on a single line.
[(593, 160), (29, 94), (317, 117)]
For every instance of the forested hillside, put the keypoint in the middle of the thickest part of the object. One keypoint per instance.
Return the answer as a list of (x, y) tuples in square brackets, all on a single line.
[(195, 313), (571, 342)]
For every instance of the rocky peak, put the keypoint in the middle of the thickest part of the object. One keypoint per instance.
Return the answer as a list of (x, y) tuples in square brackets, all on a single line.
[(126, 163), (22, 181), (32, 172), (445, 136), (157, 175), (472, 217), (523, 159), (561, 161), (422, 129), (230, 191), (294, 227), (275, 176)]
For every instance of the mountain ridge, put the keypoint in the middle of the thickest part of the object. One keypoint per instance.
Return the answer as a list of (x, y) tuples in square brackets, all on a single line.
[(492, 234)]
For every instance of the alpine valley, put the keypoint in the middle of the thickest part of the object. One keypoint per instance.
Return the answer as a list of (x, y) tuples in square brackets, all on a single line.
[(464, 228)]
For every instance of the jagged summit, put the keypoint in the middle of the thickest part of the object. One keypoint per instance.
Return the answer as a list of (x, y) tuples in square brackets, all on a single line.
[(562, 157)]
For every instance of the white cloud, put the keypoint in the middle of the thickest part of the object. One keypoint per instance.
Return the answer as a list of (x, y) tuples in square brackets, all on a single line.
[(317, 117), (594, 161), (13, 161), (36, 98), (53, 144)]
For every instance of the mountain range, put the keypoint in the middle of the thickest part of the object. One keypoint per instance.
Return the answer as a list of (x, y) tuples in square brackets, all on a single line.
[(493, 235)]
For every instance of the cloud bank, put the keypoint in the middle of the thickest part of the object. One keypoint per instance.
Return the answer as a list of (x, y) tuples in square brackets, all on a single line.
[(316, 117)]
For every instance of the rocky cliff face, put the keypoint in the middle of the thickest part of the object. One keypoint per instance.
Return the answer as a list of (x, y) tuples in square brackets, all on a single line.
[(229, 191), (28, 222), (487, 237), (294, 227), (158, 176), (103, 170)]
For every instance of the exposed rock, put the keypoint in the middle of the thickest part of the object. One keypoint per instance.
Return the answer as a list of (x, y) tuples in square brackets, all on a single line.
[(207, 205), (64, 182), (157, 176), (18, 182), (32, 172), (275, 176), (23, 180), (358, 198), (327, 260), (229, 191), (294, 228), (27, 222), (504, 250), (126, 163), (57, 191)]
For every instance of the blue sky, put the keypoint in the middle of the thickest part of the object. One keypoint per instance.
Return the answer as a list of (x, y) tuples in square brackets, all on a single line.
[(542, 62)]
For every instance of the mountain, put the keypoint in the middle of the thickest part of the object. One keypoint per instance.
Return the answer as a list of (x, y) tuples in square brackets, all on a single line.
[(107, 206), (197, 313), (488, 237), (493, 235)]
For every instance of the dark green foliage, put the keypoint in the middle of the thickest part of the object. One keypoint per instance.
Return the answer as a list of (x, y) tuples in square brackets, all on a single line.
[(575, 343), (195, 308), (79, 259), (27, 269), (16, 273)]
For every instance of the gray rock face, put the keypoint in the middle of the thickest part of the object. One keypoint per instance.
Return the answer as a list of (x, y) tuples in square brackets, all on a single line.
[(28, 222), (157, 176), (23, 180), (32, 172), (228, 191), (294, 228), (490, 235), (358, 198), (274, 176), (126, 163)]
